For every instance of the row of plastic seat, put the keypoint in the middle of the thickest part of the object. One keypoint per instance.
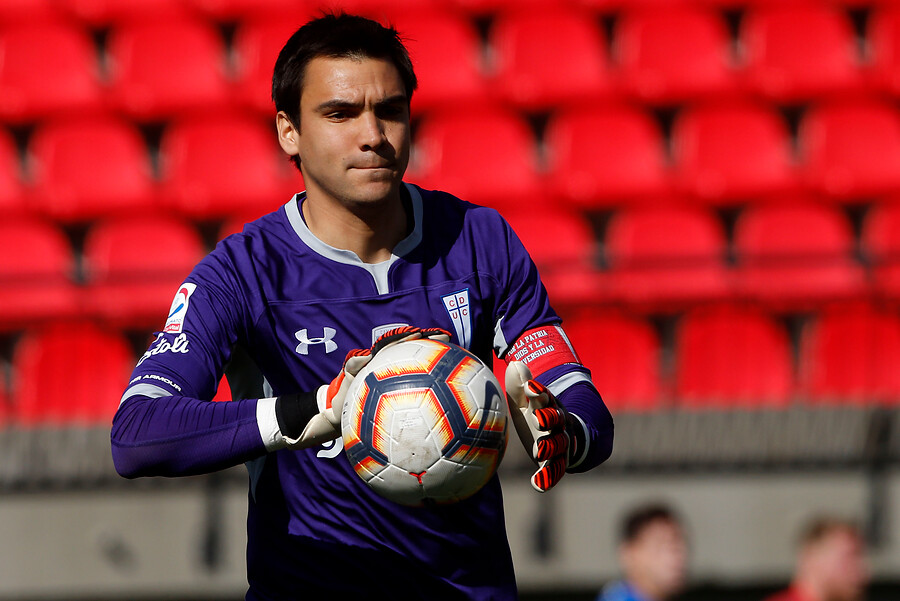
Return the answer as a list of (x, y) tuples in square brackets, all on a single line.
[(106, 12), (73, 373), (595, 158), (791, 257), (534, 59)]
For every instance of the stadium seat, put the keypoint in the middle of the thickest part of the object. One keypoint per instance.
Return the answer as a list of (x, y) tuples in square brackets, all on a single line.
[(257, 42), (216, 167), (447, 55), (484, 8), (12, 192), (673, 55), (241, 10), (563, 246), (851, 151), (36, 270), (49, 69), (883, 36), (796, 255), (625, 365), (666, 258), (90, 168), (800, 52), (732, 357), (603, 157), (880, 241), (31, 11), (103, 13), (485, 156), (850, 355), (69, 374), (134, 266), (161, 70), (547, 58), (732, 153)]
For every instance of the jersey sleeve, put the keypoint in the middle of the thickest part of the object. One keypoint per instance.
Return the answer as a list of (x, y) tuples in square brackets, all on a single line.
[(166, 424), (528, 330)]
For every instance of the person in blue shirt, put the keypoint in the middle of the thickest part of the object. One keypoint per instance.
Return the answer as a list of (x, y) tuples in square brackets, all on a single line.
[(294, 306), (653, 556)]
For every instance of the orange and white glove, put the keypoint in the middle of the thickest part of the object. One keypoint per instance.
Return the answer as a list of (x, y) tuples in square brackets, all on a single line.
[(542, 425), (311, 418)]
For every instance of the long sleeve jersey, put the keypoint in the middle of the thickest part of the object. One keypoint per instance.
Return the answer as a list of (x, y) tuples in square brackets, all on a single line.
[(276, 310)]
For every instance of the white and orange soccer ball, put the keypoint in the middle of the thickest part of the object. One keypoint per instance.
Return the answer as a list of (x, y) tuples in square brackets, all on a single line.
[(425, 422)]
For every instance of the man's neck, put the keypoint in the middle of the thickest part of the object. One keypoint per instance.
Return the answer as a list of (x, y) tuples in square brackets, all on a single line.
[(370, 231)]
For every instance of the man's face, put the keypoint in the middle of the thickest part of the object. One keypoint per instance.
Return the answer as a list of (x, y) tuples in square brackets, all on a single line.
[(353, 137), (839, 562), (658, 558)]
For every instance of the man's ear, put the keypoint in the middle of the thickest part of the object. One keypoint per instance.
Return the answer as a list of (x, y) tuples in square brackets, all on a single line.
[(288, 134)]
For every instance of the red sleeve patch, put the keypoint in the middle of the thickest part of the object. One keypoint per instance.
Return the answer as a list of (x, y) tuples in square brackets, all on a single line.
[(542, 348)]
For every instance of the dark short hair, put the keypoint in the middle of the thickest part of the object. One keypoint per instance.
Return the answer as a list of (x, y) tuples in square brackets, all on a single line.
[(335, 36), (638, 519)]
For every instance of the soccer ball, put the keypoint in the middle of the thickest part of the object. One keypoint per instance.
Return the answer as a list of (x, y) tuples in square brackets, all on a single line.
[(425, 422)]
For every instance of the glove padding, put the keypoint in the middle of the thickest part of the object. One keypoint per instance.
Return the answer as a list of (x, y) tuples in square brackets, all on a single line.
[(326, 424), (541, 423)]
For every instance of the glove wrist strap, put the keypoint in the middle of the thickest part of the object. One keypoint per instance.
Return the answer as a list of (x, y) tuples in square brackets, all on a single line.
[(578, 440), (294, 411)]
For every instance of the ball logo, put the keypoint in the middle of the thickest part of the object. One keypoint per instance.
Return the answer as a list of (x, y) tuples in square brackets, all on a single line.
[(178, 310)]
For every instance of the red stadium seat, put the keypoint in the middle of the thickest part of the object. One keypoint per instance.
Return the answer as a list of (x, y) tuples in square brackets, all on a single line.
[(161, 70), (796, 255), (69, 186), (12, 193), (623, 354), (21, 11), (883, 35), (480, 8), (851, 355), (880, 243), (851, 151), (548, 58), (70, 374), (221, 166), (601, 157), (563, 246), (729, 153), (485, 156), (667, 257), (36, 270), (257, 43), (731, 357), (674, 55), (241, 10), (797, 53), (47, 70), (134, 267), (446, 52), (101, 13)]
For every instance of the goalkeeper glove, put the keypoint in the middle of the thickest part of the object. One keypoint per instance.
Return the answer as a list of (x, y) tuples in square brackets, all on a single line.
[(550, 434), (311, 418)]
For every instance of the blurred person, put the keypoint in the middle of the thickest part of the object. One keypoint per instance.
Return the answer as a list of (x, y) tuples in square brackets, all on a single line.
[(831, 563), (653, 556)]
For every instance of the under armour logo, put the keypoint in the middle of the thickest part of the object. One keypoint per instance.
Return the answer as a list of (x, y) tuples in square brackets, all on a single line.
[(305, 341)]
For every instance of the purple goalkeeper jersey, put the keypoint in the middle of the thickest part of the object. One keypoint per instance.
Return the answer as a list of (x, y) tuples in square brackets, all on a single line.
[(277, 310)]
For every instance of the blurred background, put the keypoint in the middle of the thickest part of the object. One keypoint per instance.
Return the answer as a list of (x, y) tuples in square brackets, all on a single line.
[(711, 189)]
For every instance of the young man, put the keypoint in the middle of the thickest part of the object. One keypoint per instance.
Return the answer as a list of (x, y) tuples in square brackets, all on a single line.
[(653, 556), (359, 261), (831, 564)]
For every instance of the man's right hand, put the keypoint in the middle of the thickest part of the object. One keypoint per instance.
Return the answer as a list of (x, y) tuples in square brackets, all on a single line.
[(309, 419)]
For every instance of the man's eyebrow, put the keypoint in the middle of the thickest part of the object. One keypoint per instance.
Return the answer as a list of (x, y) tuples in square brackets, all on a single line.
[(338, 103)]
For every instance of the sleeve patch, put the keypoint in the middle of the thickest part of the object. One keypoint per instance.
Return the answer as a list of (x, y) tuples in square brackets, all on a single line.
[(542, 349)]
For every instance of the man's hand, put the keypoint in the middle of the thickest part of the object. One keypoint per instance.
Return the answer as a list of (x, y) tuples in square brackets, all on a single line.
[(541, 423), (308, 419)]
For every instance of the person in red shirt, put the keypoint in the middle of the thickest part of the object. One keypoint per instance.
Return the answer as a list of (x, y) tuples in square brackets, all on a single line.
[(831, 564)]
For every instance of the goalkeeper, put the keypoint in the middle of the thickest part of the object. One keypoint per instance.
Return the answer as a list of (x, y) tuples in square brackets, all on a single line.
[(290, 310)]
